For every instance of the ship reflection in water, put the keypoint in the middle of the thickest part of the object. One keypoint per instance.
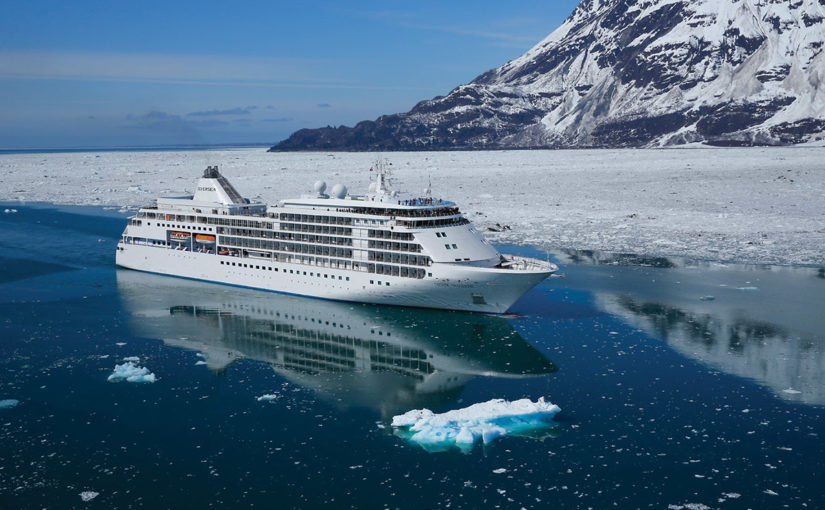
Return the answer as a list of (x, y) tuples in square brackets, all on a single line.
[(387, 358), (764, 323)]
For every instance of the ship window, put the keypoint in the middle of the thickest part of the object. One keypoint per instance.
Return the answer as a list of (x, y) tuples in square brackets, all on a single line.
[(305, 273), (347, 278), (310, 274), (379, 283), (388, 284), (455, 247), (372, 282), (429, 274), (438, 234), (290, 271)]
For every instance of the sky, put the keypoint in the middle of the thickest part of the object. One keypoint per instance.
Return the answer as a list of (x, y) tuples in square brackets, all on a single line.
[(127, 74)]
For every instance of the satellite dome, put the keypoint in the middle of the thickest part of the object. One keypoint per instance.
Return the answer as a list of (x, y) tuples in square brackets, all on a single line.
[(320, 186), (338, 191)]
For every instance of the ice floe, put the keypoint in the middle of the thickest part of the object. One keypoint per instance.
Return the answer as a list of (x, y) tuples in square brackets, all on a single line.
[(131, 372), (267, 398), (484, 421), (8, 403)]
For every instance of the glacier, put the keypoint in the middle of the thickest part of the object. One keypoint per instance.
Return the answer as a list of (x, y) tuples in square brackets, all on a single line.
[(484, 421), (131, 372)]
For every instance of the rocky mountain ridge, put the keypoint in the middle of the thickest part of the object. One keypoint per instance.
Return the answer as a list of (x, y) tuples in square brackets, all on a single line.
[(629, 73)]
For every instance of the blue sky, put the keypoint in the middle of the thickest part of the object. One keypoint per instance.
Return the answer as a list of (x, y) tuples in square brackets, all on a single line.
[(104, 74)]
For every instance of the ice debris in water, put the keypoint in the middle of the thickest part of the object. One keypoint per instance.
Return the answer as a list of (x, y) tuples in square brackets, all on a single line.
[(89, 495), (267, 398), (485, 421), (130, 372), (8, 403)]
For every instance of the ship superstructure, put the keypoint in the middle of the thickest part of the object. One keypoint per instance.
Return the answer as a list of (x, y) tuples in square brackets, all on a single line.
[(384, 247)]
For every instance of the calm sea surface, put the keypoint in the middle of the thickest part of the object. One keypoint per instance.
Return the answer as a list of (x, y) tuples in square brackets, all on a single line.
[(681, 384)]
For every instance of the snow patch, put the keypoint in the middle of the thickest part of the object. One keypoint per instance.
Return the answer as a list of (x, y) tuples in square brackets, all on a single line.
[(464, 427)]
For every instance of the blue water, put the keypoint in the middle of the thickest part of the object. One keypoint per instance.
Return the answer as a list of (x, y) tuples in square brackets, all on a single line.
[(679, 383)]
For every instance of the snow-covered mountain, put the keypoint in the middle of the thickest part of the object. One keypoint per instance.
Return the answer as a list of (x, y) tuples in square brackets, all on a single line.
[(629, 73)]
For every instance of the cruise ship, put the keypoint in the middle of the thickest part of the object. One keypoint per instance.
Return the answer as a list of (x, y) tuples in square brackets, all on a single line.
[(383, 247)]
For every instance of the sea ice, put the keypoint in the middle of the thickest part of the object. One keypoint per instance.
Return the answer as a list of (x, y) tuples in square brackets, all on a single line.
[(130, 372), (485, 421), (8, 403), (704, 203), (267, 398)]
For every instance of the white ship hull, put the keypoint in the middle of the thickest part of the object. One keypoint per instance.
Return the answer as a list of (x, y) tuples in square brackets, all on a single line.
[(451, 287)]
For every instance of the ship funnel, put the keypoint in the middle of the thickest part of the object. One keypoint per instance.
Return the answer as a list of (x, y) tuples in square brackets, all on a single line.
[(213, 187)]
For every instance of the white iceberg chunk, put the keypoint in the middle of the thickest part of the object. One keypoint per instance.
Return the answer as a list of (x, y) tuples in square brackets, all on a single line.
[(267, 398), (485, 421), (87, 496), (130, 372), (8, 403)]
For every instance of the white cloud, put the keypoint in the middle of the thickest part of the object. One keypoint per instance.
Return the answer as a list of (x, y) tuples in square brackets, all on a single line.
[(141, 67), (178, 69)]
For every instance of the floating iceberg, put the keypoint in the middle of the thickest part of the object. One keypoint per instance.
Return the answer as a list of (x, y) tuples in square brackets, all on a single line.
[(485, 421), (87, 496), (130, 372), (269, 397), (8, 403)]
